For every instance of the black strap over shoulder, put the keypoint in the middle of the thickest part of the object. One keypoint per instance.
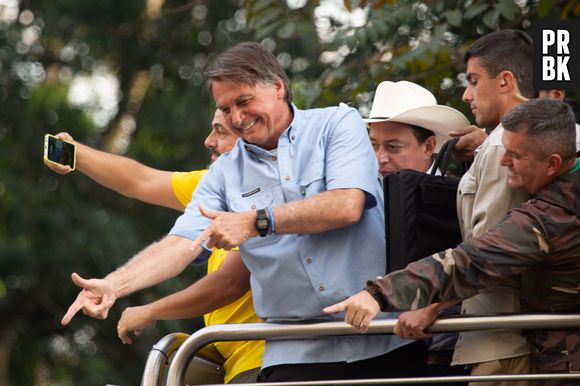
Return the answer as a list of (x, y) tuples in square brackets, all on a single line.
[(442, 160)]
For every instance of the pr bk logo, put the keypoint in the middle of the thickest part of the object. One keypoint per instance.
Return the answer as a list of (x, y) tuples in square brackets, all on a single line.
[(557, 55)]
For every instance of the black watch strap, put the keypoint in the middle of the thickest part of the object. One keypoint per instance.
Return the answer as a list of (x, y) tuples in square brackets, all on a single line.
[(262, 223)]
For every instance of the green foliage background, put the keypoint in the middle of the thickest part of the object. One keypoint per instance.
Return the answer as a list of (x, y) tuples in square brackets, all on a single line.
[(52, 225)]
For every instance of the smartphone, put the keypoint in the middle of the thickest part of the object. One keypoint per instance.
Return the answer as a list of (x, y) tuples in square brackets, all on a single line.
[(59, 151)]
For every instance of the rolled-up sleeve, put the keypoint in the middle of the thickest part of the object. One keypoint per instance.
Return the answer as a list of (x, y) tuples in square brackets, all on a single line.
[(209, 194), (350, 160)]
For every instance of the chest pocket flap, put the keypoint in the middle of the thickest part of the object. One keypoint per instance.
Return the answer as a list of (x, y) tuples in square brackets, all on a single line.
[(314, 180), (467, 185), (258, 200)]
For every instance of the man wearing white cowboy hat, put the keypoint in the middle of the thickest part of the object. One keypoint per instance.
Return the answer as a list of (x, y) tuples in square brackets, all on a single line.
[(406, 126)]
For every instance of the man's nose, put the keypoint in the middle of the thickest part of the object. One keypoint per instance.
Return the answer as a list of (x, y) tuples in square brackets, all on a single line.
[(211, 140), (467, 96), (237, 116), (383, 155)]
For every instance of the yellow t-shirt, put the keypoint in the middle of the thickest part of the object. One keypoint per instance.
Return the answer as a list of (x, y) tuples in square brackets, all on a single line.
[(239, 356)]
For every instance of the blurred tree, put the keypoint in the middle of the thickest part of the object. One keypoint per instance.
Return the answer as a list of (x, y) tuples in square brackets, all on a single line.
[(128, 77), (123, 76), (366, 42)]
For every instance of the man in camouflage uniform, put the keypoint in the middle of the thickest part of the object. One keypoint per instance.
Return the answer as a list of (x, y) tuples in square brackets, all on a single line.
[(537, 242)]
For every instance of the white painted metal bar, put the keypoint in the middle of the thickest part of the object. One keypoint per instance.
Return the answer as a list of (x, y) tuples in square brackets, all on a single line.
[(257, 331)]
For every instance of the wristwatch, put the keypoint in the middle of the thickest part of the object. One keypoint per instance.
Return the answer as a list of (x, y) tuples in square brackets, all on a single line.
[(262, 223)]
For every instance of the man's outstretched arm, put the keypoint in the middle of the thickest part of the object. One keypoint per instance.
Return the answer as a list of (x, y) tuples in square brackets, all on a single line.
[(123, 175), (503, 253), (217, 289), (156, 263)]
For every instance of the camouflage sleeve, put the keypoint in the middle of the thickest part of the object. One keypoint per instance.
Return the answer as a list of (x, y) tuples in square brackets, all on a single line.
[(515, 245)]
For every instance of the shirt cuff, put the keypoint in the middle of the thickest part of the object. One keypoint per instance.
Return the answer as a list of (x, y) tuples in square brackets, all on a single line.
[(203, 256)]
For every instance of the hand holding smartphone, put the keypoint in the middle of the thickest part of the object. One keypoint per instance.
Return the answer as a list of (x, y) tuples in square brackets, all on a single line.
[(59, 152)]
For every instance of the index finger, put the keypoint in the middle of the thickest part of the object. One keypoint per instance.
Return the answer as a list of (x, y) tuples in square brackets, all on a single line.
[(123, 334), (463, 131), (71, 312), (338, 307), (201, 239)]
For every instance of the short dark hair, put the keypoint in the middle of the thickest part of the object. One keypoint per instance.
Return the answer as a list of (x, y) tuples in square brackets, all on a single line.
[(575, 107), (549, 124), (248, 62), (421, 133), (506, 50)]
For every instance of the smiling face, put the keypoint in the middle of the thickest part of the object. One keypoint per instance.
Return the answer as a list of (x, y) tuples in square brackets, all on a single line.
[(526, 169), (257, 113), (221, 139), (482, 94), (396, 147)]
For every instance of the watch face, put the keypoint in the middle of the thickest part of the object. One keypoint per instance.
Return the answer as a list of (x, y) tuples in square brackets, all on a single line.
[(262, 223)]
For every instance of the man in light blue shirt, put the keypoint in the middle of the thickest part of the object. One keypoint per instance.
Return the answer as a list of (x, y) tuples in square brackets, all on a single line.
[(294, 276), (299, 194), (314, 174)]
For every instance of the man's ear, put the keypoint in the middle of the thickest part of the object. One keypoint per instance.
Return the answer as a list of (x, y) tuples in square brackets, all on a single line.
[(554, 164), (558, 94), (430, 144), (280, 88), (507, 81), (508, 84)]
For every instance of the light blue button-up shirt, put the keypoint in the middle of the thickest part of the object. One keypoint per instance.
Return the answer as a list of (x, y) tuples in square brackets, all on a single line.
[(294, 276)]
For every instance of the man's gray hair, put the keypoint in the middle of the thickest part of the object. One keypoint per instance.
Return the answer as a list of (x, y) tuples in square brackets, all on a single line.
[(549, 124), (250, 63)]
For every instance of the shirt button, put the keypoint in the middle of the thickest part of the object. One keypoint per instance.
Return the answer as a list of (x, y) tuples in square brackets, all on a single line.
[(253, 206), (308, 260), (287, 178), (293, 137), (321, 288), (274, 158)]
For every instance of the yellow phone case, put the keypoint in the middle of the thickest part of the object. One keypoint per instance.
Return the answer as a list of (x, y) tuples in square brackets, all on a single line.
[(74, 155)]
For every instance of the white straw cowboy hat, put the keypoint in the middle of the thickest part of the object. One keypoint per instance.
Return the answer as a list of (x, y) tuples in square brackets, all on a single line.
[(407, 102)]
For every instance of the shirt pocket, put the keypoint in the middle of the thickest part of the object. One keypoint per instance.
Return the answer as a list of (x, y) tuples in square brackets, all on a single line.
[(465, 201), (260, 200), (314, 180), (467, 186)]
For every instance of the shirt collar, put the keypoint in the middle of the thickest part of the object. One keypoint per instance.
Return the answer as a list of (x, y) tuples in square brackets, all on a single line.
[(291, 131), (576, 167), (437, 172)]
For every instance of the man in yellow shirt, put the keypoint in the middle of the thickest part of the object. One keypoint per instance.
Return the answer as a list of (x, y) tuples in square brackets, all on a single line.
[(173, 190)]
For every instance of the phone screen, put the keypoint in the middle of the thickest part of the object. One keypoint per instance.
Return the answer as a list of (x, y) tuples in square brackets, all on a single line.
[(60, 152)]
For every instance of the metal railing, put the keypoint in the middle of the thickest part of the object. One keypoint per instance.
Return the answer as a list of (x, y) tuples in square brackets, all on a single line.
[(158, 358), (257, 331)]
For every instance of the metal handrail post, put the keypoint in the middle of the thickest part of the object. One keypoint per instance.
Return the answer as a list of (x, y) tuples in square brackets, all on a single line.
[(158, 358), (254, 331)]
